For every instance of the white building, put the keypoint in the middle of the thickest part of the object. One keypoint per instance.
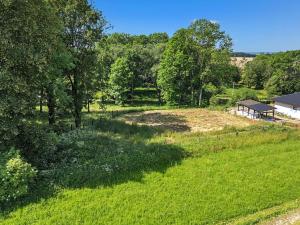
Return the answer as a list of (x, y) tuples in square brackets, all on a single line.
[(288, 105)]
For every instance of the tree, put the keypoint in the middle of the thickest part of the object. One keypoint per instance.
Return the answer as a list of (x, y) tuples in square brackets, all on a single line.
[(143, 53), (156, 53), (175, 73), (28, 37), (189, 62), (121, 79), (284, 82), (55, 85), (211, 42), (257, 72), (278, 73), (83, 27), (158, 38)]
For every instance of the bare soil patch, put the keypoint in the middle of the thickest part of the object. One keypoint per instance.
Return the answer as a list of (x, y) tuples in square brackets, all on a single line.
[(193, 120), (287, 219)]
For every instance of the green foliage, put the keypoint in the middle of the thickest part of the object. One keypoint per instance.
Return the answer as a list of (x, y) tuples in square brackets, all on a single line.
[(143, 53), (278, 73), (243, 94), (83, 27), (257, 72), (193, 58), (121, 80), (284, 82), (127, 39), (37, 145), (218, 101), (28, 39), (15, 177), (174, 75)]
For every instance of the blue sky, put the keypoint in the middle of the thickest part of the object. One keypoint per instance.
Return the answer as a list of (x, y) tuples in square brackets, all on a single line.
[(254, 25)]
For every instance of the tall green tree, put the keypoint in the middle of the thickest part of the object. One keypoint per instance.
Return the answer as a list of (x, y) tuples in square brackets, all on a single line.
[(257, 72), (143, 53), (278, 72), (83, 27), (55, 86), (284, 81), (121, 80), (189, 62), (28, 37)]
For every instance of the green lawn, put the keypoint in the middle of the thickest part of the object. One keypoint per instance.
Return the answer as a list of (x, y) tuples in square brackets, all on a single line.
[(159, 177)]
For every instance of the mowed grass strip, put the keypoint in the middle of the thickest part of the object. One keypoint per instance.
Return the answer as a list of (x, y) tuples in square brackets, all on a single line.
[(213, 188)]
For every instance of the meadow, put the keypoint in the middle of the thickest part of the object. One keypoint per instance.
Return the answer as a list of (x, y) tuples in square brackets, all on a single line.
[(120, 173)]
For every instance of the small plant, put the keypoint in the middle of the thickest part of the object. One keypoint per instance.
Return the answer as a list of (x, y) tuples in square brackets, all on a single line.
[(16, 178)]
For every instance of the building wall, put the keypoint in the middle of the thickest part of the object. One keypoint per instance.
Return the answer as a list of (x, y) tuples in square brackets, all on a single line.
[(288, 111)]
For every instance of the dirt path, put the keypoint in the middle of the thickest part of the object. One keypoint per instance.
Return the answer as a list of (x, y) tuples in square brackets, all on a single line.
[(287, 219)]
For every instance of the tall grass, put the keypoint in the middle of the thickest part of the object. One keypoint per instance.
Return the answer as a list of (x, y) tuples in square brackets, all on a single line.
[(139, 175)]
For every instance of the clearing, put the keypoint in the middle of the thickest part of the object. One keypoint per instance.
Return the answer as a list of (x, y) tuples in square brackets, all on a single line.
[(194, 120)]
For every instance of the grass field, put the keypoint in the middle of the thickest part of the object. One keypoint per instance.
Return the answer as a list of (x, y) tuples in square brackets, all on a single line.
[(130, 174)]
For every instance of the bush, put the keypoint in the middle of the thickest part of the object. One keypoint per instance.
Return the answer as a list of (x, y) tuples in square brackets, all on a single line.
[(243, 94), (16, 177), (215, 101), (38, 145)]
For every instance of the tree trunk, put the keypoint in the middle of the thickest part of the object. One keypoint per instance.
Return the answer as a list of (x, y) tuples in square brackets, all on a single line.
[(200, 96), (158, 93), (76, 102), (192, 96), (41, 100), (88, 105), (159, 96), (77, 118), (132, 92), (51, 104)]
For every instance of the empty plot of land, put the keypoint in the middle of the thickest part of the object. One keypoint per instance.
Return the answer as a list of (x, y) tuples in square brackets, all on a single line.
[(194, 120)]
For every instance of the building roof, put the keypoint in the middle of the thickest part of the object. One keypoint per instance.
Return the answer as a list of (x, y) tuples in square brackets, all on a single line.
[(291, 99), (257, 106)]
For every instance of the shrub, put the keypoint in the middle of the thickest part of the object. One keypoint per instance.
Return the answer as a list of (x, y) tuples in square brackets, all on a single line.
[(16, 176), (38, 145), (216, 100), (243, 94)]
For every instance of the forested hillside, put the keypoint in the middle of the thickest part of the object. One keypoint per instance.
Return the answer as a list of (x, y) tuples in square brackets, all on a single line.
[(278, 73)]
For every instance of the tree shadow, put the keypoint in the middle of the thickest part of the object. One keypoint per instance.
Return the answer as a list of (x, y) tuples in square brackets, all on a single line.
[(120, 127), (102, 156), (109, 161)]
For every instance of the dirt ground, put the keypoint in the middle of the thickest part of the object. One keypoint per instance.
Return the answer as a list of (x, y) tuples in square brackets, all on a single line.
[(193, 120), (287, 219)]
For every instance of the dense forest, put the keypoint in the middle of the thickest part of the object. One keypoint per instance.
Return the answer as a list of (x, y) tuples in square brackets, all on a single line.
[(278, 73), (58, 57)]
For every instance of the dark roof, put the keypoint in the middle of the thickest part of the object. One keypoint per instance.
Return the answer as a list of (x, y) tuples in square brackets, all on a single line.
[(292, 99), (257, 106)]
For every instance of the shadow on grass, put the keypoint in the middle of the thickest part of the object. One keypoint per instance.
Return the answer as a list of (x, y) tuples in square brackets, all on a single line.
[(121, 128), (105, 154)]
